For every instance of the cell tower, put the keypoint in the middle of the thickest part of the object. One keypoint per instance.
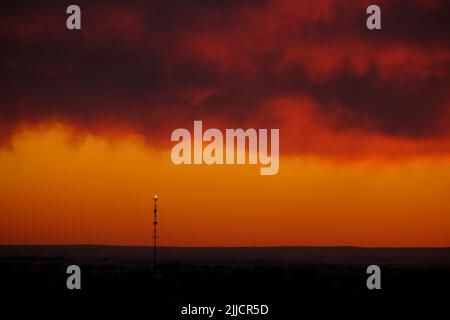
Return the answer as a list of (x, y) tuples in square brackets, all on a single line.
[(155, 222)]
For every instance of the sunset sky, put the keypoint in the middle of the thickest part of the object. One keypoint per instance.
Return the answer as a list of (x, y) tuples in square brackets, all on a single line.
[(364, 118)]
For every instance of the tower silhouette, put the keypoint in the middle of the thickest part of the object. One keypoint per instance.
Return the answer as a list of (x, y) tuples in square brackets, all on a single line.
[(155, 222)]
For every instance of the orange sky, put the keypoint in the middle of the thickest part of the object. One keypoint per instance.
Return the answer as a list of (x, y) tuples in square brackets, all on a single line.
[(58, 190), (364, 117)]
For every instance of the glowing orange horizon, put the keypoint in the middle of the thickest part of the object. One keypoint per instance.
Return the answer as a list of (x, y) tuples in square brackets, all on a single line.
[(95, 192)]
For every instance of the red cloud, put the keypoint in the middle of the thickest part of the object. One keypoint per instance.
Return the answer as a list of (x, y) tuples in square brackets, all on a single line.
[(310, 68)]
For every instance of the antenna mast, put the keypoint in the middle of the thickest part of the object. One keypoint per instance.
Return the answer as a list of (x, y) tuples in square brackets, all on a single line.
[(155, 222)]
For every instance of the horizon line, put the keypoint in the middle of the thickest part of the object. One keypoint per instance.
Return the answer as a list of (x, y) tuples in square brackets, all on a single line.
[(231, 247)]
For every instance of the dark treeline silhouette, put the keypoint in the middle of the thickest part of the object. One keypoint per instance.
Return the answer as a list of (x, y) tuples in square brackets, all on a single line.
[(288, 279)]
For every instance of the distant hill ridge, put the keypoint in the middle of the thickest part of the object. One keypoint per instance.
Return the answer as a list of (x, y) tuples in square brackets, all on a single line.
[(229, 255)]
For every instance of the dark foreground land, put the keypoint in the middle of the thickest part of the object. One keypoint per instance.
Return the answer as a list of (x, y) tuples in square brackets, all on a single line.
[(290, 280)]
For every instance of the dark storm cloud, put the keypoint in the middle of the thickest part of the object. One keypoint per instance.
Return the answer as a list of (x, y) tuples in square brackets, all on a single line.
[(182, 60)]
